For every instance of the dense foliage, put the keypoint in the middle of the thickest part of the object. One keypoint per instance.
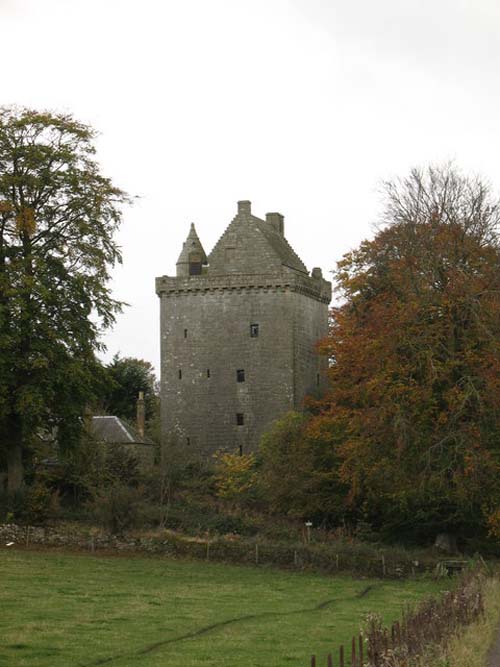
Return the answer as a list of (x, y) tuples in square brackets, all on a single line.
[(414, 401), (58, 215), (127, 377)]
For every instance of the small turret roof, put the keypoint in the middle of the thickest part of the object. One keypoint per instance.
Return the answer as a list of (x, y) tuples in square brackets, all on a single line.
[(190, 245)]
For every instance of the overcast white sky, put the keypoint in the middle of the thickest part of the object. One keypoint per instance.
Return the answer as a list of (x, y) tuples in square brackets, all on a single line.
[(301, 106)]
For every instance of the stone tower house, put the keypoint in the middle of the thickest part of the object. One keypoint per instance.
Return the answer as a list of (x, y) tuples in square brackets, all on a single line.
[(238, 330)]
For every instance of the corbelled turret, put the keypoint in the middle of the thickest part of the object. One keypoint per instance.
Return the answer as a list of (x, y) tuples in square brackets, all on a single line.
[(192, 256)]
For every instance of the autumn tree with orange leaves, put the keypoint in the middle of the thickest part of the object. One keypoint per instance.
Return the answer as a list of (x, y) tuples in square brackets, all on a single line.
[(414, 402)]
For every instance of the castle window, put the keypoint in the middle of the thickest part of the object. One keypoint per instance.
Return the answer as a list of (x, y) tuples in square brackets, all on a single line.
[(208, 372), (188, 441), (240, 375), (241, 450), (317, 379), (185, 333), (180, 374), (240, 418), (254, 330)]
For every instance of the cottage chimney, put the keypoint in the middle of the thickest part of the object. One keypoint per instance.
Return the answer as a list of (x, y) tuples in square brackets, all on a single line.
[(87, 419), (244, 207), (141, 414), (277, 221)]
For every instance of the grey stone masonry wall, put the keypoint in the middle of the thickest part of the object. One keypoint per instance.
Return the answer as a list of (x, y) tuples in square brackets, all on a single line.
[(237, 338)]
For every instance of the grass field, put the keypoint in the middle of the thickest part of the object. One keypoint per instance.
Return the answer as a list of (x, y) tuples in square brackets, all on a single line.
[(68, 610)]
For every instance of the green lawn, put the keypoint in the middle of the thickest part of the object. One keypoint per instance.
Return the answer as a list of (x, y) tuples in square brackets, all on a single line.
[(67, 610)]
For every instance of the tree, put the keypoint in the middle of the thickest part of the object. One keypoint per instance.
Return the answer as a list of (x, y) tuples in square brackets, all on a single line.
[(129, 376), (298, 472), (58, 214), (415, 358)]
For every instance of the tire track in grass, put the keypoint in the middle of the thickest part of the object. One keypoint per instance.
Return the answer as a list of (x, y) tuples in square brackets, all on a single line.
[(221, 624)]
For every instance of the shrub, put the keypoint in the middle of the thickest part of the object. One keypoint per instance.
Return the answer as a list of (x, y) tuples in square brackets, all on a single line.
[(117, 506)]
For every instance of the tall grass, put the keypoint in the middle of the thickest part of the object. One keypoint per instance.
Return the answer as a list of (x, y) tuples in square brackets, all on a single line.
[(471, 646)]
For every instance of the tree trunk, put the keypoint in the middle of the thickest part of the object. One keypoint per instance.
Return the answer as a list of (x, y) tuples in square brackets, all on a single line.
[(15, 471)]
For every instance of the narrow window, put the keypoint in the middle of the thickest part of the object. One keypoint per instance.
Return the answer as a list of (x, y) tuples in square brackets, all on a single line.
[(208, 372), (317, 379), (188, 441), (180, 374), (254, 330), (240, 419), (241, 450), (185, 333), (240, 375)]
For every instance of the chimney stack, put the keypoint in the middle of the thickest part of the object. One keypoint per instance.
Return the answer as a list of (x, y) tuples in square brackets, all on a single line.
[(244, 207), (141, 414), (277, 221)]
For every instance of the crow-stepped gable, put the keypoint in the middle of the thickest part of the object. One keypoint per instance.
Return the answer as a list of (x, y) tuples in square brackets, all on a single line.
[(238, 334)]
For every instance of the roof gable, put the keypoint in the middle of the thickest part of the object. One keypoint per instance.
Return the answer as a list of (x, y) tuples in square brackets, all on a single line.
[(252, 245)]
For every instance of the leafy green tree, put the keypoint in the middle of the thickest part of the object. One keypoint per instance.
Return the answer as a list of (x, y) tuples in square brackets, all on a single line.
[(128, 377), (298, 475), (58, 214)]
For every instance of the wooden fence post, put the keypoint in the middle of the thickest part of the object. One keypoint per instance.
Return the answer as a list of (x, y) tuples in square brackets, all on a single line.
[(353, 652), (360, 646), (341, 656), (313, 661), (329, 660)]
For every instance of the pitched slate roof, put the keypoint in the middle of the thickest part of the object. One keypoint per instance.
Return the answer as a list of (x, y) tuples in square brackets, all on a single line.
[(115, 430)]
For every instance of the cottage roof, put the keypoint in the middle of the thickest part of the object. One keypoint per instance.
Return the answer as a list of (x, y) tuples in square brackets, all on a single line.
[(112, 429)]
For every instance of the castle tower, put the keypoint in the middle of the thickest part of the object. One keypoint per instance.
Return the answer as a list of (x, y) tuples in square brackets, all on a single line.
[(238, 331)]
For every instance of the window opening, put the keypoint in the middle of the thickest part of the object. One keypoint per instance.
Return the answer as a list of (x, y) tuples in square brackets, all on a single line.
[(180, 374), (208, 372), (241, 450), (185, 333), (254, 330), (317, 379), (188, 441), (240, 419), (240, 375)]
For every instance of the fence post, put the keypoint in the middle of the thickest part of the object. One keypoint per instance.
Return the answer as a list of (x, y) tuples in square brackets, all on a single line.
[(341, 656), (360, 645), (313, 661), (353, 652), (329, 660)]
